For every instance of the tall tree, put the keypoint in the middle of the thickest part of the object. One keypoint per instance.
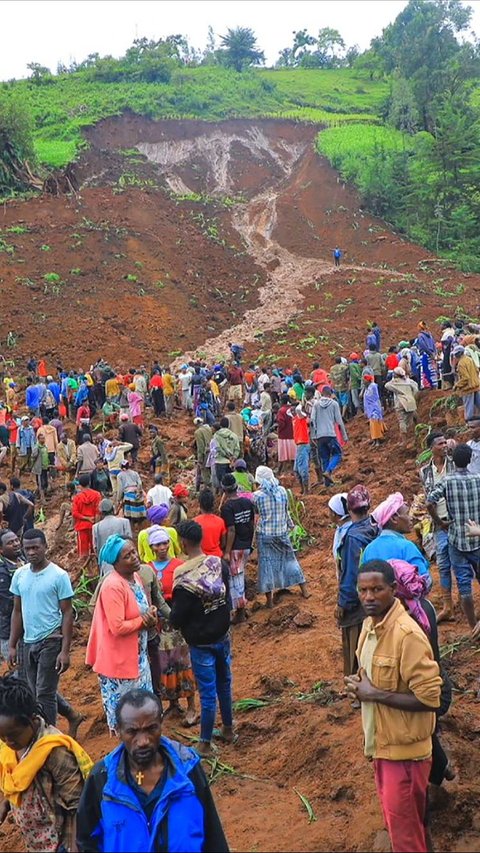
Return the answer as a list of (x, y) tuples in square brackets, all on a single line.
[(239, 49)]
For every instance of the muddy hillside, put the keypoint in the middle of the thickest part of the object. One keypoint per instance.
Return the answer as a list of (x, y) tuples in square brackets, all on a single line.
[(182, 237)]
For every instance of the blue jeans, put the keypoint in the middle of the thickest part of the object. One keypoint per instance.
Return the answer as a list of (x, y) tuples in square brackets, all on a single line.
[(443, 559), (465, 564), (302, 463), (211, 666), (329, 453)]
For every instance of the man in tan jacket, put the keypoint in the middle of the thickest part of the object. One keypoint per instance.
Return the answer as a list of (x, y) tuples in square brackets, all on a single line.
[(404, 392), (399, 685), (468, 383)]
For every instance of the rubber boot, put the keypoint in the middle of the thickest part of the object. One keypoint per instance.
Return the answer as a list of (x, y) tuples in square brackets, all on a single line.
[(446, 613)]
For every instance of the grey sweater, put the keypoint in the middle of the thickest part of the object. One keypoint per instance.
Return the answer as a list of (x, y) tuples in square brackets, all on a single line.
[(325, 414)]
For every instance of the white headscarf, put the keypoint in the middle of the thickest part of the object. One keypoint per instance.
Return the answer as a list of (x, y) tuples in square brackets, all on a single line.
[(264, 473)]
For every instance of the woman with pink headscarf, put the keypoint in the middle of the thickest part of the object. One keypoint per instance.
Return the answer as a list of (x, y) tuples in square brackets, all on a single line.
[(394, 522)]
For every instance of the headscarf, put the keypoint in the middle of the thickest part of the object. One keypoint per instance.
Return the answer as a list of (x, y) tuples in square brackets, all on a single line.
[(263, 474), (399, 371), (387, 508), (338, 504), (112, 549), (411, 586), (180, 491), (157, 535), (358, 498), (404, 345), (157, 514)]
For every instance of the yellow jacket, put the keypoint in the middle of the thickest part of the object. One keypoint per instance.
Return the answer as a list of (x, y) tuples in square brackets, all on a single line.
[(467, 376), (403, 662)]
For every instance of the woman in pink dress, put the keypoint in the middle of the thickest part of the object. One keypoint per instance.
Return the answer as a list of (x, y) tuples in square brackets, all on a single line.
[(135, 405)]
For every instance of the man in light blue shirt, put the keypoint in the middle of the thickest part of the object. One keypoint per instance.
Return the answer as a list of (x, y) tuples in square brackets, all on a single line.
[(42, 613)]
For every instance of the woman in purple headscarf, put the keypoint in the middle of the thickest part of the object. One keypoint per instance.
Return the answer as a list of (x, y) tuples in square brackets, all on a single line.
[(373, 410), (158, 515)]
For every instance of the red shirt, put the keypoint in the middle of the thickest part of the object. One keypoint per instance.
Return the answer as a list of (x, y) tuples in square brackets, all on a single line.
[(301, 434), (86, 503), (320, 377), (42, 369), (12, 427), (165, 576), (235, 376), (156, 381), (213, 527)]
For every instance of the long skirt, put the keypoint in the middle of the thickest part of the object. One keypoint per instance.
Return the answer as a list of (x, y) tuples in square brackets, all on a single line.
[(429, 371), (133, 506), (112, 689), (377, 429), (278, 567), (287, 449), (176, 676)]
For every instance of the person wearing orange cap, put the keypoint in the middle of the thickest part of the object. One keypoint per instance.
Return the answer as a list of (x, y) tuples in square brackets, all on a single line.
[(355, 371)]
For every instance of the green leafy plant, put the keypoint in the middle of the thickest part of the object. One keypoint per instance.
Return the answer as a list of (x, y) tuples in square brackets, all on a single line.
[(52, 278), (45, 247), (308, 806), (299, 536)]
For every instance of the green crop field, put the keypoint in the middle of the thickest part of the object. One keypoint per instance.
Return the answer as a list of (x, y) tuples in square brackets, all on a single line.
[(71, 102)]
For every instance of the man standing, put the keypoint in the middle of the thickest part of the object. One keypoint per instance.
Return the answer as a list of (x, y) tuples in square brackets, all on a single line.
[(51, 439), (238, 515), (431, 475), (159, 494), (301, 437), (336, 256), (85, 511), (130, 433), (404, 392), (150, 793), (235, 423), (235, 379), (201, 610), (42, 612), (399, 686), (467, 383), (461, 490), (228, 449), (10, 560), (203, 437), (109, 525), (67, 458), (41, 465), (349, 611), (325, 417), (25, 443), (87, 455), (340, 376)]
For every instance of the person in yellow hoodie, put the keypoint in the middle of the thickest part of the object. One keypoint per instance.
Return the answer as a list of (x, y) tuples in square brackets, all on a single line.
[(42, 771), (398, 685)]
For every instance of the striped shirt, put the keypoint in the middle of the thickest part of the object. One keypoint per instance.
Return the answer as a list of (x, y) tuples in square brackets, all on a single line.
[(462, 493)]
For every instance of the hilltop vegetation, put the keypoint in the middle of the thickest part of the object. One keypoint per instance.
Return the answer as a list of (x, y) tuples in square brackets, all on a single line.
[(402, 119)]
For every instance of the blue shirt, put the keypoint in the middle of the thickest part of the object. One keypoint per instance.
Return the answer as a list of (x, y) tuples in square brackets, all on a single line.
[(394, 546), (54, 387), (32, 397), (41, 594)]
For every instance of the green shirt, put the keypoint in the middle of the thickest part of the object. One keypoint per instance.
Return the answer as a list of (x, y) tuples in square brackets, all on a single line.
[(355, 374)]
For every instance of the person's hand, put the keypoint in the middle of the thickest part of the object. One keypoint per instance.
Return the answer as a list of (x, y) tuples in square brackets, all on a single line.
[(472, 528), (360, 687), (62, 663), (150, 617), (476, 631), (338, 613), (12, 657), (227, 556)]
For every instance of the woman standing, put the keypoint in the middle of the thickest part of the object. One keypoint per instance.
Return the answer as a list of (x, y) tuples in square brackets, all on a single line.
[(117, 645), (426, 347), (130, 493), (135, 405), (278, 567), (42, 771), (178, 510), (373, 410), (176, 676), (287, 449), (156, 515)]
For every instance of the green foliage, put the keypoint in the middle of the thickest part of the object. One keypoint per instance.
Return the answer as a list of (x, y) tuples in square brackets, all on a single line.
[(16, 141), (239, 49), (55, 152)]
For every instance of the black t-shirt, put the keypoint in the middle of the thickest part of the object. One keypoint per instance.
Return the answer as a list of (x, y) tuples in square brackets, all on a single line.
[(238, 513)]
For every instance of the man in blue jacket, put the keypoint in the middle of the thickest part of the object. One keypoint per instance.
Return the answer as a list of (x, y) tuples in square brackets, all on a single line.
[(150, 793), (349, 611)]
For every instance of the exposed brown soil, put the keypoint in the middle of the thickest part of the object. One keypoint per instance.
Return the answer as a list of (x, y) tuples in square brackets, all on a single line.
[(295, 211)]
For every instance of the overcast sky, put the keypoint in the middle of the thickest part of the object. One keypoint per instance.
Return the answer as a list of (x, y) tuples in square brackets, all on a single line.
[(49, 31)]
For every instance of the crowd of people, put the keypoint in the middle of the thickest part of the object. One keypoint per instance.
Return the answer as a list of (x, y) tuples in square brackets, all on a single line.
[(172, 575)]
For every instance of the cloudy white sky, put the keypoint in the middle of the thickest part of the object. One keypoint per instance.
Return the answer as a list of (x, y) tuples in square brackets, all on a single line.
[(49, 31)]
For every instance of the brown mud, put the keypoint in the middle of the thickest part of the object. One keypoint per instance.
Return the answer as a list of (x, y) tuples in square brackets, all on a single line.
[(271, 285)]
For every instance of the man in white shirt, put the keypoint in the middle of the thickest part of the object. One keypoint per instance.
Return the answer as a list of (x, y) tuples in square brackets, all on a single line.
[(159, 494)]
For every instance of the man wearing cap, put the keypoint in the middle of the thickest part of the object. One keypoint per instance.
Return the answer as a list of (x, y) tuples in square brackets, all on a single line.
[(349, 611), (203, 437), (467, 383), (405, 391), (238, 515), (109, 525), (324, 418)]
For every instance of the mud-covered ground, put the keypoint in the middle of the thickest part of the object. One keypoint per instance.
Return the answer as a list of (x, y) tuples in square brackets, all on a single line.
[(255, 269)]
